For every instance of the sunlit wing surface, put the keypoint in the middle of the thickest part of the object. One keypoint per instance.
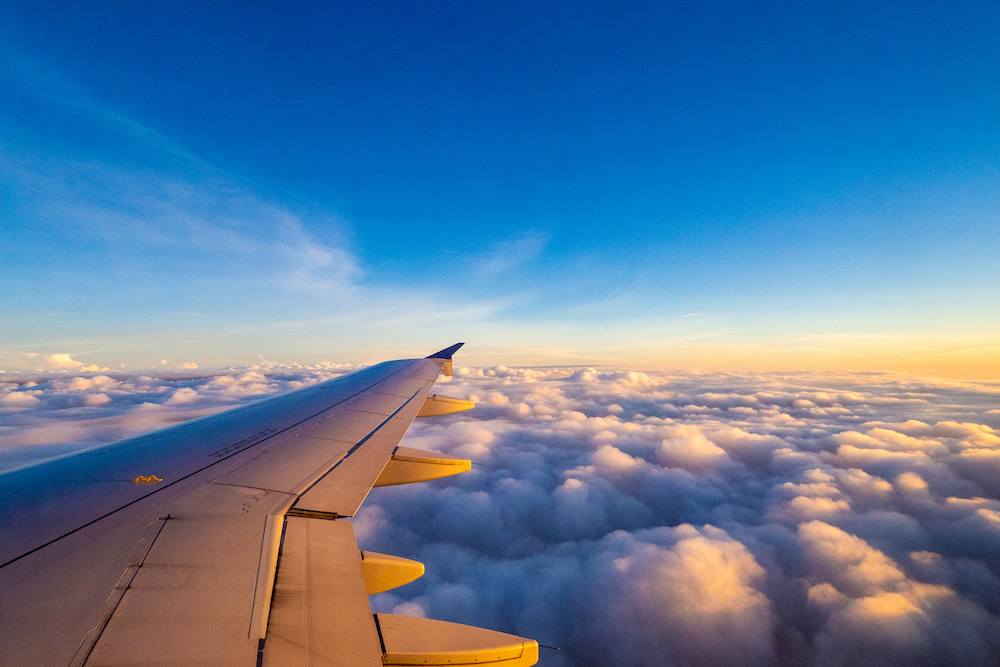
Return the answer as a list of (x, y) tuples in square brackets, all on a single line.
[(219, 541)]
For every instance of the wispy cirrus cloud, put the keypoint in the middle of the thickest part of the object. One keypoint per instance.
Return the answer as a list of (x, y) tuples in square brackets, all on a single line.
[(117, 185), (195, 213), (513, 252)]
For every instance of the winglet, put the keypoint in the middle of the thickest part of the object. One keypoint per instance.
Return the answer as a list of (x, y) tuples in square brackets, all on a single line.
[(446, 352)]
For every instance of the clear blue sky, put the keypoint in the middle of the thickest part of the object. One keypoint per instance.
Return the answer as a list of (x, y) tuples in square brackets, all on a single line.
[(669, 184)]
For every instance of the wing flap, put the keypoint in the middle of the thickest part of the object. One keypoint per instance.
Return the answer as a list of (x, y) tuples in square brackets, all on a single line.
[(320, 614)]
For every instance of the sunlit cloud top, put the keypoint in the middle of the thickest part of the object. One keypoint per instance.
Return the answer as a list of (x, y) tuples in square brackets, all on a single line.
[(653, 518)]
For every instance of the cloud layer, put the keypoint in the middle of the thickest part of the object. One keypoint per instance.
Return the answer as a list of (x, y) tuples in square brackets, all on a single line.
[(652, 519), (657, 519), (51, 415)]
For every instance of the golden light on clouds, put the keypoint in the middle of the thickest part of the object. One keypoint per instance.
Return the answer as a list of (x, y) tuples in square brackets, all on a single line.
[(957, 357)]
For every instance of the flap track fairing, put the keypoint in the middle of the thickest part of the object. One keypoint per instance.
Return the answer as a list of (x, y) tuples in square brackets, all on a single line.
[(409, 465), (436, 405), (421, 641), (383, 572)]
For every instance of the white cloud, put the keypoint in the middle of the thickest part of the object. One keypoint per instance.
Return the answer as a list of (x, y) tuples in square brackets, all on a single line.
[(680, 600), (872, 606), (696, 518), (18, 399), (687, 447), (57, 361), (36, 362), (182, 396)]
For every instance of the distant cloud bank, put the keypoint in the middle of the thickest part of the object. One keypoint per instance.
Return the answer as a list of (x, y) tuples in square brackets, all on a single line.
[(669, 519), (46, 362)]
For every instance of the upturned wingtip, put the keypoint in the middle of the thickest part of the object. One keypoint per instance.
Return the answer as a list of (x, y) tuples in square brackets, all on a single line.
[(446, 352)]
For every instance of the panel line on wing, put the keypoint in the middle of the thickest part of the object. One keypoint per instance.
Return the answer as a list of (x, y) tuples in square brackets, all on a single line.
[(361, 442), (159, 489), (119, 592), (248, 486), (323, 437)]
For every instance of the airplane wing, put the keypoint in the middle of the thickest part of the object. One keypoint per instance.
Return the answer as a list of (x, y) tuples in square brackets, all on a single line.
[(221, 541)]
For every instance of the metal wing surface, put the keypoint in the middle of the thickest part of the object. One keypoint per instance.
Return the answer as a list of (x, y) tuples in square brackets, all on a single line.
[(220, 541)]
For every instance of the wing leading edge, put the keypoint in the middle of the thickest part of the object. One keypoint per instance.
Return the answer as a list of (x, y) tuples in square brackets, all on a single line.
[(237, 553)]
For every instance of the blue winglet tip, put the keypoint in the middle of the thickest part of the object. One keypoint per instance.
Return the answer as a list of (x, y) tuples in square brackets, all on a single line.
[(446, 352)]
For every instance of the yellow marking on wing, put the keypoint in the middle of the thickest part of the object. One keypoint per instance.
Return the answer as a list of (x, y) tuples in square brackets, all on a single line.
[(145, 480)]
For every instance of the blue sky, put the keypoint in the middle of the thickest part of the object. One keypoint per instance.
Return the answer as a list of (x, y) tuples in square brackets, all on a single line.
[(757, 186)]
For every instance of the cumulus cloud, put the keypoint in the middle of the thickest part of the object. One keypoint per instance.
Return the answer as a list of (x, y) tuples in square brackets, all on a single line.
[(56, 361), (42, 362), (875, 614), (688, 519), (687, 447), (680, 600), (658, 519)]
